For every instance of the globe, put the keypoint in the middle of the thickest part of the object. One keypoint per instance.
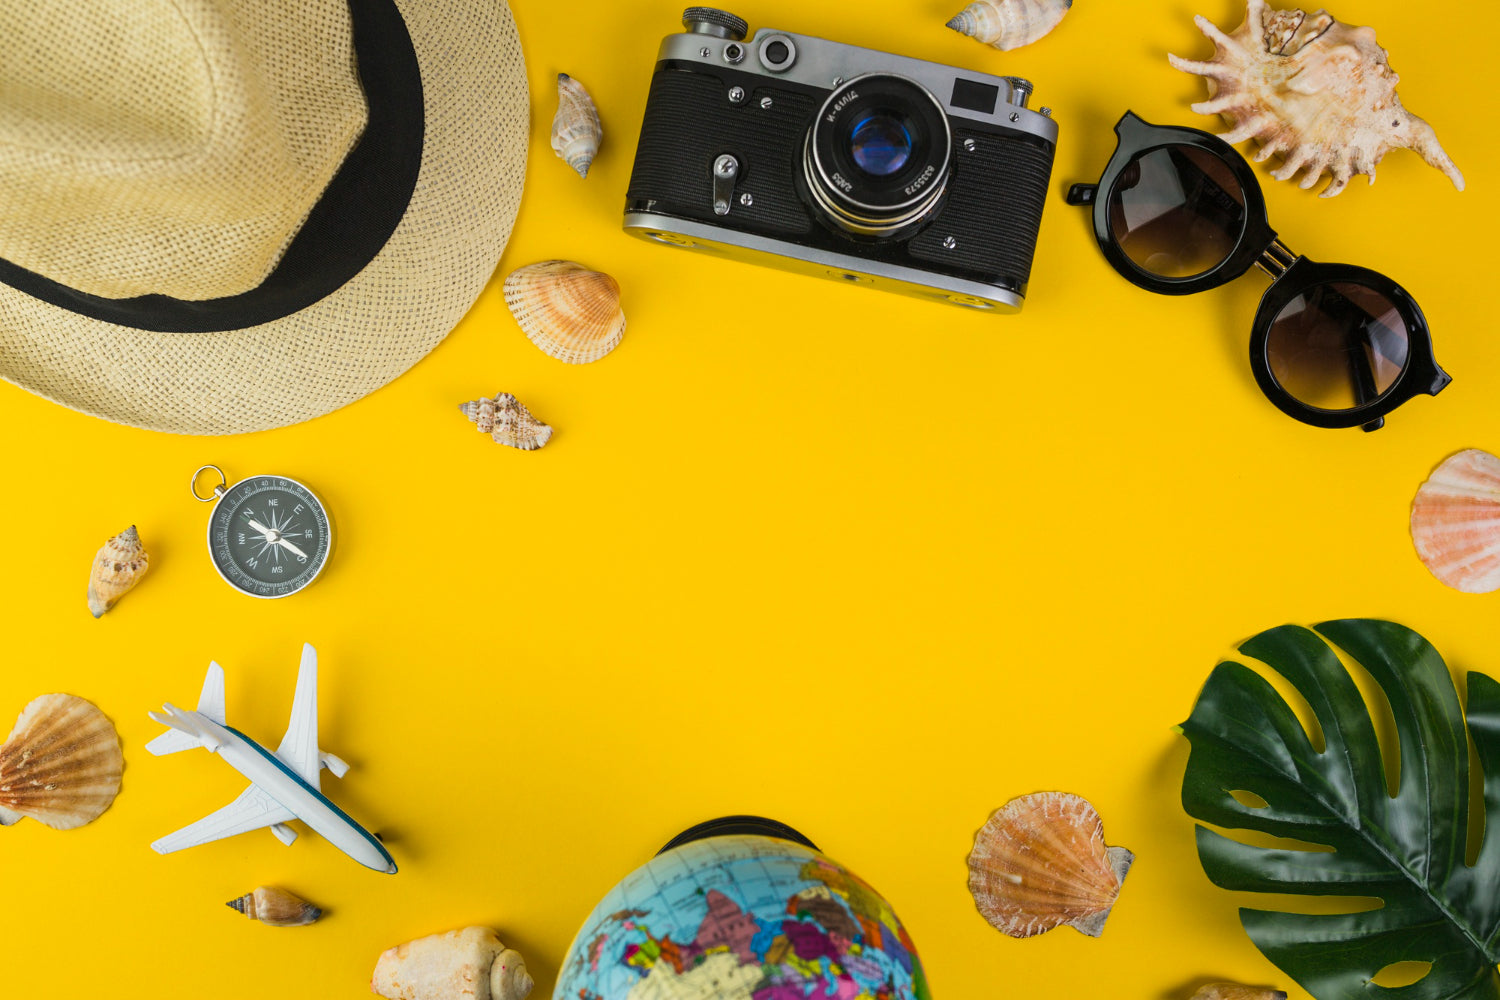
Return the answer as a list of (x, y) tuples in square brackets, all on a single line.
[(742, 908)]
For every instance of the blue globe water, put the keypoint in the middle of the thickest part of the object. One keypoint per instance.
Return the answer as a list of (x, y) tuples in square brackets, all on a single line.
[(742, 917), (880, 144)]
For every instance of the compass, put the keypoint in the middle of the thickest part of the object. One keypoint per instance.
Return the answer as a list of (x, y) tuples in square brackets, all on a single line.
[(268, 536)]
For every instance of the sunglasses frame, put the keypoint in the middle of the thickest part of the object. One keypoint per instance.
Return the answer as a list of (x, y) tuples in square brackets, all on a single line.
[(1291, 275)]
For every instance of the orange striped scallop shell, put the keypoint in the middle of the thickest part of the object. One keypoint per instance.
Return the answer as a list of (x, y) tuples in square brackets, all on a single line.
[(61, 765), (571, 313), (1041, 862), (1455, 522)]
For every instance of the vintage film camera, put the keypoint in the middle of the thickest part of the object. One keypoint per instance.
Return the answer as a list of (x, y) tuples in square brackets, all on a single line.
[(843, 162)]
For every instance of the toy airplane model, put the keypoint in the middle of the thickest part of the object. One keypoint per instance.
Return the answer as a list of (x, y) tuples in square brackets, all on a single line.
[(283, 786)]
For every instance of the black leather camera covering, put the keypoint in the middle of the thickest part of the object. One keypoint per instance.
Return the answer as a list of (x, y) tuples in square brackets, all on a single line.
[(992, 209)]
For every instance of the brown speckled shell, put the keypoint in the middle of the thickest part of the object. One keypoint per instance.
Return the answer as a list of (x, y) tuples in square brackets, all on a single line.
[(275, 907), (61, 764), (1041, 862), (507, 421), (1009, 24), (1313, 90)]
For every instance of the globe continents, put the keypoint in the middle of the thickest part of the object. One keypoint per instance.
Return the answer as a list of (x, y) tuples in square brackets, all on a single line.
[(722, 915)]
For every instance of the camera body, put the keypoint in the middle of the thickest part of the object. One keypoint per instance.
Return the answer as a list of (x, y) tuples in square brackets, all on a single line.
[(842, 162)]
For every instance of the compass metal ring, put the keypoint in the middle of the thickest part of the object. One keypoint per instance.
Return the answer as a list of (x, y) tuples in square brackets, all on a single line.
[(223, 483)]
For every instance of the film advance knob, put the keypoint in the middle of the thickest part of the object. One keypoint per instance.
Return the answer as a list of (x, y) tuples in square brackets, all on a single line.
[(712, 21)]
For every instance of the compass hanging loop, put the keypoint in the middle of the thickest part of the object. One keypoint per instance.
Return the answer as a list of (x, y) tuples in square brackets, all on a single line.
[(218, 490)]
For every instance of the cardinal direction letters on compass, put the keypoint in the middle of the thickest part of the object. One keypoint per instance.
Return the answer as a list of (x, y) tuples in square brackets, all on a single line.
[(269, 536)]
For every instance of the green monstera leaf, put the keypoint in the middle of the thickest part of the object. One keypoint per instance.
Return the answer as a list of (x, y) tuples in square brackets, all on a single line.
[(1407, 851)]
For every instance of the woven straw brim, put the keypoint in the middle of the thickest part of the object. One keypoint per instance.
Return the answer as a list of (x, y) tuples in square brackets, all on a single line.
[(379, 324)]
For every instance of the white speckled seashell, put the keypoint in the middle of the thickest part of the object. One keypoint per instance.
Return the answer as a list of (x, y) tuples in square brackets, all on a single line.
[(61, 764), (468, 963), (1455, 522), (118, 566), (571, 313), (1315, 91), (576, 132), (507, 421), (1009, 24), (1041, 862)]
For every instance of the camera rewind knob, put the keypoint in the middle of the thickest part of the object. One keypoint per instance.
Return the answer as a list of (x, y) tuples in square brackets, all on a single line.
[(712, 21)]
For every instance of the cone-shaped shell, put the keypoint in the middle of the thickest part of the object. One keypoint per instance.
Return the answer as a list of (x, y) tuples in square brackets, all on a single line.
[(1041, 862), (1455, 522), (61, 764), (571, 313), (507, 421), (275, 907), (118, 566), (1234, 991), (1009, 24), (576, 131), (1315, 91), (471, 963)]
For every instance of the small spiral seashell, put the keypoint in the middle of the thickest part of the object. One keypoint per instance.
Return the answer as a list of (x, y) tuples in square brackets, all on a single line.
[(61, 764), (1041, 862), (1319, 93), (275, 907), (576, 132), (1455, 522), (571, 313), (118, 566), (1009, 24), (507, 422)]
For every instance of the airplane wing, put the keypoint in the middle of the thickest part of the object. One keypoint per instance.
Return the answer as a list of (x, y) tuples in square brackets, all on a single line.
[(299, 747), (253, 810)]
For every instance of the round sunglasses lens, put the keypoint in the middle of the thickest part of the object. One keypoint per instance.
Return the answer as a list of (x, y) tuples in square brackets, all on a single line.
[(1337, 346), (1177, 211)]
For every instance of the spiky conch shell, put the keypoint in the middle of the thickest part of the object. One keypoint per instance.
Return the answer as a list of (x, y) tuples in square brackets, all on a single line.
[(571, 313), (507, 421), (1009, 24), (276, 907), (1455, 522), (576, 132), (118, 566), (1234, 991), (1041, 862), (470, 963), (1313, 90), (61, 764)]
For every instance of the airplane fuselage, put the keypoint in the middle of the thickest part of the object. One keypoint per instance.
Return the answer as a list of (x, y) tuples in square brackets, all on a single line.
[(281, 783)]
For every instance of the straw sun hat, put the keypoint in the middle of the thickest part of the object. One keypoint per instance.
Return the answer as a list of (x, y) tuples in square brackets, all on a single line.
[(226, 215)]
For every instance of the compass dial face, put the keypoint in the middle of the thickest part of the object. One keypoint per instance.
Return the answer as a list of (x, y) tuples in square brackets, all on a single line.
[(269, 536)]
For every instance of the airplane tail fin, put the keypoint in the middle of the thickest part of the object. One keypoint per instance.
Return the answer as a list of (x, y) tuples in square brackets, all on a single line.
[(182, 733), (211, 698)]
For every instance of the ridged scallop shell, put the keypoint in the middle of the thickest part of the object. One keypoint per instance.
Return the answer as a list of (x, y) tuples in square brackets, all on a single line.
[(576, 132), (468, 963), (1009, 24), (61, 764), (571, 313), (1455, 522), (1234, 991), (507, 421), (1313, 90), (275, 907), (1041, 862), (118, 566)]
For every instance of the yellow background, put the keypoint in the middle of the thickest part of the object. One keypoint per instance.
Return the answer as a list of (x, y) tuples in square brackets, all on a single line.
[(863, 563)]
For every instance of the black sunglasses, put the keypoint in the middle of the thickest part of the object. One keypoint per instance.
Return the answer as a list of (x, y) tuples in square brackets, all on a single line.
[(1333, 345)]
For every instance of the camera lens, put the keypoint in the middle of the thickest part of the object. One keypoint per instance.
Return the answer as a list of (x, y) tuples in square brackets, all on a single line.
[(880, 144), (876, 159)]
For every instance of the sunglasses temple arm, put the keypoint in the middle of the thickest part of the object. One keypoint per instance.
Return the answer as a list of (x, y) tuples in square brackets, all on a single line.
[(1082, 194), (1363, 376)]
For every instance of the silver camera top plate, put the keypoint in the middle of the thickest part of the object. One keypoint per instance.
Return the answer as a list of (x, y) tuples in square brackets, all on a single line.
[(825, 65)]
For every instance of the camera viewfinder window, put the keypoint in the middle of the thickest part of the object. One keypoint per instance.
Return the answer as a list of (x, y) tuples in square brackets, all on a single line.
[(973, 96)]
